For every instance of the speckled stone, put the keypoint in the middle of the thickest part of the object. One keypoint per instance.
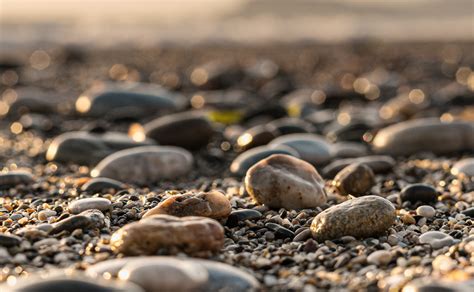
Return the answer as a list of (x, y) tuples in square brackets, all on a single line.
[(362, 217), (174, 274), (419, 193), (464, 167), (310, 147), (169, 234), (213, 204), (355, 179), (425, 135), (283, 181), (81, 205), (436, 239), (13, 178), (145, 165)]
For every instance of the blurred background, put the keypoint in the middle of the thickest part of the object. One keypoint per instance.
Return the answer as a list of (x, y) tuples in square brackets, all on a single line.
[(148, 22)]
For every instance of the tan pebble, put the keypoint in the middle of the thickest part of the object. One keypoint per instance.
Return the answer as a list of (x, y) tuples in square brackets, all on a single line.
[(356, 179), (408, 219), (380, 257)]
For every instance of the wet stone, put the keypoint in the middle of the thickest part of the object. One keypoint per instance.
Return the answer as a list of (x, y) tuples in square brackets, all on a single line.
[(81, 205), (14, 178), (213, 204), (419, 193), (310, 147), (283, 181), (187, 130), (241, 215), (425, 135), (244, 161), (9, 240), (98, 184), (355, 179), (88, 148), (169, 234), (145, 165), (363, 217), (436, 239)]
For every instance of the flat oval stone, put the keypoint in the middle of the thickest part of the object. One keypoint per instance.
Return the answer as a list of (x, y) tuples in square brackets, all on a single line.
[(244, 161), (9, 240), (464, 167), (71, 284), (310, 147), (419, 193), (285, 126), (283, 181), (145, 165), (256, 136), (174, 274), (436, 239), (280, 231), (378, 164), (98, 184), (407, 138), (363, 217), (33, 100), (348, 150), (380, 258), (469, 212), (241, 215), (356, 179), (14, 178), (89, 148), (86, 219), (169, 234), (117, 101), (434, 285), (426, 211), (187, 130), (213, 204), (81, 205)]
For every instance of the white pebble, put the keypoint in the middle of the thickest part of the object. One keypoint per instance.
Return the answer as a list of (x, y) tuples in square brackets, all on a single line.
[(426, 211), (380, 257)]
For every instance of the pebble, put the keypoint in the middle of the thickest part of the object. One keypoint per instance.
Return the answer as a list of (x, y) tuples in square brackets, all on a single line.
[(174, 274), (81, 205), (14, 178), (86, 219), (426, 211), (191, 235), (145, 165), (213, 204), (187, 130), (469, 212), (244, 161), (425, 135), (9, 240), (256, 136), (348, 150), (280, 231), (283, 181), (433, 285), (355, 179), (311, 148), (241, 215), (45, 214), (378, 164), (130, 100), (464, 167), (86, 148), (419, 193), (303, 235), (436, 239), (99, 184), (285, 126), (361, 217), (380, 258)]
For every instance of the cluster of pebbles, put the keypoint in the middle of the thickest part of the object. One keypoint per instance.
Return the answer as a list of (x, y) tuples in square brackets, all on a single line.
[(238, 169)]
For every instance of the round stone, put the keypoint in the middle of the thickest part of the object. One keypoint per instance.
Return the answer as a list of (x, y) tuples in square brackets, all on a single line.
[(436, 239), (131, 100), (464, 167), (81, 205), (14, 178), (310, 147), (378, 164), (283, 181), (174, 274), (244, 161), (145, 165), (169, 234), (363, 217), (213, 204), (88, 148), (241, 215), (419, 193), (380, 258), (187, 130), (426, 211), (355, 179), (425, 135)]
